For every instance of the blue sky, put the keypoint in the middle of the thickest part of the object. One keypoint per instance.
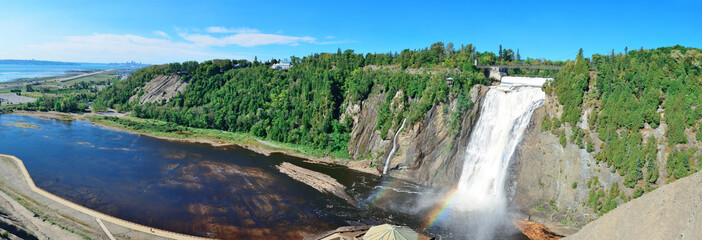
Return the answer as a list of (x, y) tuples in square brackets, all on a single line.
[(166, 31)]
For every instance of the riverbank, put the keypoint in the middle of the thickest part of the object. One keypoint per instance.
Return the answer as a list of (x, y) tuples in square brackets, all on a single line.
[(216, 138), (46, 216)]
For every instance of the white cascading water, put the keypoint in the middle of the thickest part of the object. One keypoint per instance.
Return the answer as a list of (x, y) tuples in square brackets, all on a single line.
[(505, 114), (394, 147)]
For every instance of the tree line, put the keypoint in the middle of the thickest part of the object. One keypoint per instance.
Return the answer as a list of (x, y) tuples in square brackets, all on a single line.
[(303, 105)]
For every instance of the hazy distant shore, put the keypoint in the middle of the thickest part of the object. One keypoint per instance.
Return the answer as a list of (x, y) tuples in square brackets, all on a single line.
[(24, 82)]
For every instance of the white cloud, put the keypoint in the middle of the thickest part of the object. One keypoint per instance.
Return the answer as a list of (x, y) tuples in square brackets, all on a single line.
[(115, 47), (162, 34), (217, 29), (161, 48), (246, 39)]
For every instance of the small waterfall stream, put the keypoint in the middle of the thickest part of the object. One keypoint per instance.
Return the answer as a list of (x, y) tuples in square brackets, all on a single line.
[(394, 147)]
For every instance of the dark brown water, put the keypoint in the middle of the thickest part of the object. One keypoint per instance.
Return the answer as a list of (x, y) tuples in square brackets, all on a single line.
[(223, 192), (198, 189)]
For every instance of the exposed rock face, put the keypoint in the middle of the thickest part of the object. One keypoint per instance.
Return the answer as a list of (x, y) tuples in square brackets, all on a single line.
[(430, 152), (669, 212), (162, 87), (365, 139), (545, 173)]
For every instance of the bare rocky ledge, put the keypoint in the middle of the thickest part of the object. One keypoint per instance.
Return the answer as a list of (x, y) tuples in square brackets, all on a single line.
[(669, 212), (322, 182)]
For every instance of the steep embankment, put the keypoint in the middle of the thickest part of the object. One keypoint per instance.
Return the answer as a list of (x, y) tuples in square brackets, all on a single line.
[(669, 212), (160, 88), (429, 152)]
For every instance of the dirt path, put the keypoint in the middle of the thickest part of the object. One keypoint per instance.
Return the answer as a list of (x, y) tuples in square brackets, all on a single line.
[(17, 180)]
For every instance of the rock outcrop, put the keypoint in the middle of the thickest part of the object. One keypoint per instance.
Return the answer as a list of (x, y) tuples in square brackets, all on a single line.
[(544, 175), (322, 182), (161, 88), (430, 152), (535, 231), (669, 212)]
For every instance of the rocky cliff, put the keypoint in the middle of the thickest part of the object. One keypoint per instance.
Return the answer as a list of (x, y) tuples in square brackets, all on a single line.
[(545, 176), (554, 182), (429, 152)]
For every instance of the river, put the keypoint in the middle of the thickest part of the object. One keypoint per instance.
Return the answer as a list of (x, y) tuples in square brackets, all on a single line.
[(198, 189)]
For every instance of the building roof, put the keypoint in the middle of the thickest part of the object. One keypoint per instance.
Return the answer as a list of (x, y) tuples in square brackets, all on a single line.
[(390, 232)]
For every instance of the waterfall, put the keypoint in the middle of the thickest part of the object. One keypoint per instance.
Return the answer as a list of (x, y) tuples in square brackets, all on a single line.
[(505, 114), (394, 147)]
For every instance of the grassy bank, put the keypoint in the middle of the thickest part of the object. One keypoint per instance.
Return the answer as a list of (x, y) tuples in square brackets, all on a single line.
[(215, 137)]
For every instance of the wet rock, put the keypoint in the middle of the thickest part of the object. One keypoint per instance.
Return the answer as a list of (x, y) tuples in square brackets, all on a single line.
[(535, 231), (322, 182)]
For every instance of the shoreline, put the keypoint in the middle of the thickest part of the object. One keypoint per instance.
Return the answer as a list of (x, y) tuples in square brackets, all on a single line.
[(257, 145), (24, 82), (36, 202)]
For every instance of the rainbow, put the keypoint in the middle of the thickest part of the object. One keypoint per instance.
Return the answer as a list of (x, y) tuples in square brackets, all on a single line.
[(436, 213), (440, 210)]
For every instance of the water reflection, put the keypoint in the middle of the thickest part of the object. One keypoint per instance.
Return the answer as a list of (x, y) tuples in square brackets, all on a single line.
[(226, 192)]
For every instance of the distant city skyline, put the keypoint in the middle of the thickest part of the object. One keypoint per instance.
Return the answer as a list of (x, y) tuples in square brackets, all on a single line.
[(157, 32)]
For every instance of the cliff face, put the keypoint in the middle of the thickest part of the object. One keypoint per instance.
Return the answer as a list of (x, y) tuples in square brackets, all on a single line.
[(365, 138), (430, 152), (545, 176), (552, 180)]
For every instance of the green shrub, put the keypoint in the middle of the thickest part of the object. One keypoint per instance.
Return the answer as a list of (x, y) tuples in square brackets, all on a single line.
[(546, 124), (609, 205), (590, 146), (638, 192), (552, 203), (678, 165), (556, 122), (574, 185), (562, 139)]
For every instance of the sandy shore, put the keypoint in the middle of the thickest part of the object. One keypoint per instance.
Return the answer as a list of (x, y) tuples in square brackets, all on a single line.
[(48, 216), (259, 146)]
